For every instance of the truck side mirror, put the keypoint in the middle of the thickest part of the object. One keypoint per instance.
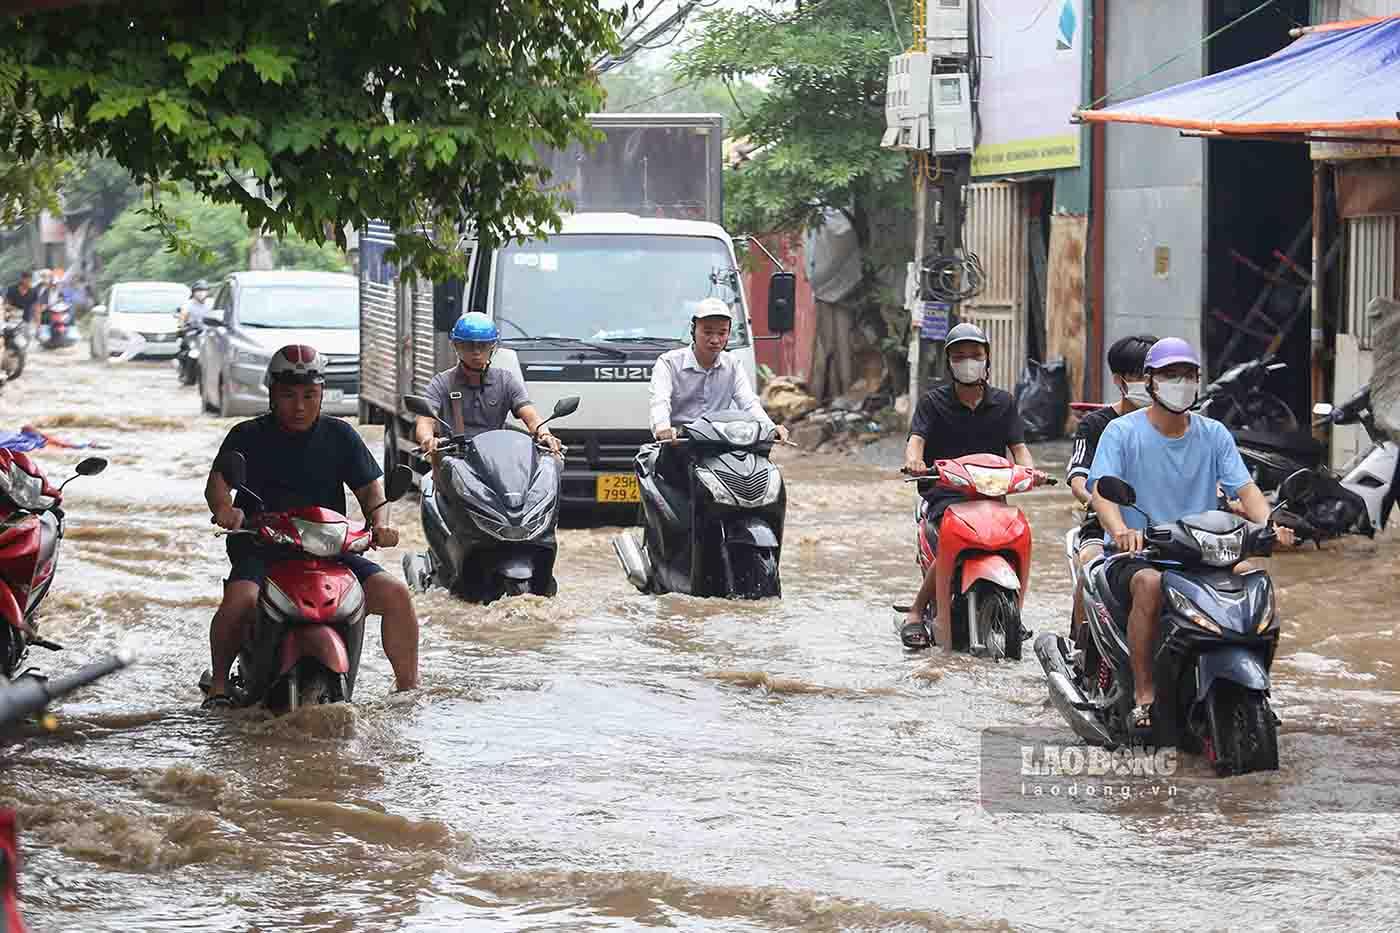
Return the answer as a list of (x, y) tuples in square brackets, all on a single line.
[(447, 304), (782, 302)]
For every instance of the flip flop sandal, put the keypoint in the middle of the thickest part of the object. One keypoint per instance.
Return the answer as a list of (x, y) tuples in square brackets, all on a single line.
[(1140, 720), (218, 701), (915, 635)]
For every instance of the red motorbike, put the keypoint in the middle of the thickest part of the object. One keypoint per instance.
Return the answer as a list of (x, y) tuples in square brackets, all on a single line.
[(305, 645), (31, 528), (983, 553)]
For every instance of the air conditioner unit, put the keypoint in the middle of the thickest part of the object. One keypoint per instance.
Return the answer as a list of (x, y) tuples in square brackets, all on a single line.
[(907, 101), (947, 28), (952, 114)]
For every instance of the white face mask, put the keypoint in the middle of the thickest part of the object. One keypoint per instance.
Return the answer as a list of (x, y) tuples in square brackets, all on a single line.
[(1136, 392), (1177, 395), (969, 372)]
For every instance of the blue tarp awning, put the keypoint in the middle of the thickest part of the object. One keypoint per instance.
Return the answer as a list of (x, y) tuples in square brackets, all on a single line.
[(1341, 77)]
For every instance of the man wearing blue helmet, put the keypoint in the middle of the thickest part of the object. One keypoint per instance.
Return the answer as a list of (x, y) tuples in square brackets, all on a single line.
[(473, 397), (1174, 460)]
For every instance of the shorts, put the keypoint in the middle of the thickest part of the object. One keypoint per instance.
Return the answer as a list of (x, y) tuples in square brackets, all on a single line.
[(250, 563), (1120, 578), (1091, 532)]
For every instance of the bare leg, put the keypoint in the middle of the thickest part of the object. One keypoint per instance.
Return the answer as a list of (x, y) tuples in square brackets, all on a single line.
[(921, 601), (389, 599), (228, 629), (1142, 631)]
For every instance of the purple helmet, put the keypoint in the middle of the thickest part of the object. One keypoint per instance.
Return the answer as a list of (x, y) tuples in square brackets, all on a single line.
[(1169, 351)]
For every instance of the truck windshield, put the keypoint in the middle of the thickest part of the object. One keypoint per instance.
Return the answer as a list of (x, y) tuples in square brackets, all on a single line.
[(613, 287)]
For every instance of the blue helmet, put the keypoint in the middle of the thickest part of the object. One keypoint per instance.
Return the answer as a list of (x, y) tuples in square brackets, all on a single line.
[(475, 327)]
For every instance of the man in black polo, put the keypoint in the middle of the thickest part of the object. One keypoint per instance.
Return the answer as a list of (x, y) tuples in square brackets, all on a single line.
[(22, 296), (955, 419)]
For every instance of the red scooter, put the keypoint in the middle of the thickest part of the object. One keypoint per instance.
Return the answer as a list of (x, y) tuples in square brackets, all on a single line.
[(31, 528), (305, 645), (984, 553)]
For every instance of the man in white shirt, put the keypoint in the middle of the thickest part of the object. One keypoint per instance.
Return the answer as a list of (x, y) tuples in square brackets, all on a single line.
[(692, 381)]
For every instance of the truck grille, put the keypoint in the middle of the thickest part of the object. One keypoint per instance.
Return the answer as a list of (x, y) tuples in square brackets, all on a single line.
[(601, 451)]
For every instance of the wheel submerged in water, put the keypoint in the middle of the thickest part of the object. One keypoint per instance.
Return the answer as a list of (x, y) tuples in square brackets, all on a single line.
[(1243, 734)]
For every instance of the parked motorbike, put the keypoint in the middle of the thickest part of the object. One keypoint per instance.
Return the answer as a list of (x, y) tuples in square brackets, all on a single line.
[(19, 700), (56, 327), (1218, 634), (305, 644), (982, 553), (1373, 472), (31, 529), (15, 350), (490, 525), (721, 534), (186, 361), (1239, 401)]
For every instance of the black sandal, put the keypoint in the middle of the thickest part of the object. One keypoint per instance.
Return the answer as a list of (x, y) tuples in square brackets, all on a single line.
[(1140, 720), (915, 635), (218, 701)]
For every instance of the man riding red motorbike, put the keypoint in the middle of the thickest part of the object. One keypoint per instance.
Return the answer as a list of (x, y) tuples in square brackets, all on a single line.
[(952, 420), (297, 458)]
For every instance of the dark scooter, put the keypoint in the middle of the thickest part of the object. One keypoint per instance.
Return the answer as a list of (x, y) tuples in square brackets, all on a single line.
[(304, 648), (722, 533), (1218, 634), (186, 360), (1238, 399), (15, 350), (56, 327), (490, 524)]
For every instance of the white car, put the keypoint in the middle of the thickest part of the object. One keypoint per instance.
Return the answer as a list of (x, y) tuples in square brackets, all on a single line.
[(139, 319), (257, 313)]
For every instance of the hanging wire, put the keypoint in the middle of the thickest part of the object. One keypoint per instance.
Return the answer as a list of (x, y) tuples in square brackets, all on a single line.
[(952, 278)]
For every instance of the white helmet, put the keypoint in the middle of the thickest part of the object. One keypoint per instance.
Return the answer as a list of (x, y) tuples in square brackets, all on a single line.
[(296, 364), (713, 307)]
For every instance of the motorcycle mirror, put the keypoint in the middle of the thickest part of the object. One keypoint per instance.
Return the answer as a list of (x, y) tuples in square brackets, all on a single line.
[(400, 482), (565, 406), (234, 469), (1116, 491), (91, 466), (418, 405)]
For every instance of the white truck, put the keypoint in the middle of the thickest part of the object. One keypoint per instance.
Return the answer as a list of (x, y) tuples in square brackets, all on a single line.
[(584, 312)]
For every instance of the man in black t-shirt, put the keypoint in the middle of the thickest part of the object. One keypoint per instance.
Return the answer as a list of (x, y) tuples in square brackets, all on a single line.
[(956, 419), (1126, 359), (22, 296), (298, 458)]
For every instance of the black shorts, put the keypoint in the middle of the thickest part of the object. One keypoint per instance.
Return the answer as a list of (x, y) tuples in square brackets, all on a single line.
[(1091, 532), (250, 563), (1120, 578)]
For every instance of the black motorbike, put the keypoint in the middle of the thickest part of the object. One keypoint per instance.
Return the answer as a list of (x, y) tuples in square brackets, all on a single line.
[(1218, 634), (57, 327), (1239, 401), (715, 528), (186, 360), (15, 350), (490, 524)]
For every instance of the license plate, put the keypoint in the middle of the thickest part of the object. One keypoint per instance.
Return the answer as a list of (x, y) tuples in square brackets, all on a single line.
[(618, 487), (335, 395)]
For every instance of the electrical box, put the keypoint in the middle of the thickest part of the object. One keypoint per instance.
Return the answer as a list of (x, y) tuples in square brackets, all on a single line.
[(947, 28), (952, 114), (907, 101)]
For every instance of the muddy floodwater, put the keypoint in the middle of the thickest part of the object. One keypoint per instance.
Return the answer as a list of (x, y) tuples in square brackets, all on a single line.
[(609, 761)]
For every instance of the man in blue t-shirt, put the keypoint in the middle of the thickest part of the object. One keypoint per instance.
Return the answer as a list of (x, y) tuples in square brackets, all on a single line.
[(1173, 460)]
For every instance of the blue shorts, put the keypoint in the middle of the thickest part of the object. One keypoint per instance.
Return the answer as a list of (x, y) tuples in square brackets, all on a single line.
[(250, 563)]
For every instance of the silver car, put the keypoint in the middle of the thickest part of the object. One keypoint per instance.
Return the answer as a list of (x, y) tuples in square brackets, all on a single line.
[(256, 313), (139, 319)]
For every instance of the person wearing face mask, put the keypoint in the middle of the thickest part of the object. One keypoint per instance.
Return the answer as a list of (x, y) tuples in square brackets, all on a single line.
[(1126, 359), (1175, 461), (192, 311), (954, 419)]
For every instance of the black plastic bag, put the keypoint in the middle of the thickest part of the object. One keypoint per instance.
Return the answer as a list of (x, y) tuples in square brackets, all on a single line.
[(1042, 399)]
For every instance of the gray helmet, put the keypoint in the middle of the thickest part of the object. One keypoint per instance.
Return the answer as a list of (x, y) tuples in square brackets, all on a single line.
[(966, 333), (200, 286)]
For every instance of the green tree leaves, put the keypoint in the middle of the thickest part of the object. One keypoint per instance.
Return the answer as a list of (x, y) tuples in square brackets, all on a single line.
[(422, 113)]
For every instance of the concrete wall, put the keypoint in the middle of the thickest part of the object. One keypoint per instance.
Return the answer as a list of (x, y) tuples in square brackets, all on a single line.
[(1154, 180)]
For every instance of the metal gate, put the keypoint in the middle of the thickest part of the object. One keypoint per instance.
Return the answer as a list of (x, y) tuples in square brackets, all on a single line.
[(1370, 271), (996, 231)]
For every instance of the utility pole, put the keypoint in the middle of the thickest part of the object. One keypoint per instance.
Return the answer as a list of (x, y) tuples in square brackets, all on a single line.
[(916, 363)]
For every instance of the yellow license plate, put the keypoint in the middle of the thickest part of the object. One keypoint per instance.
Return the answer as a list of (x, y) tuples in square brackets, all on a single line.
[(618, 487)]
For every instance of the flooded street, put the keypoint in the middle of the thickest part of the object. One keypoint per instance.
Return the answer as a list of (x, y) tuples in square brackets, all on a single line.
[(606, 760)]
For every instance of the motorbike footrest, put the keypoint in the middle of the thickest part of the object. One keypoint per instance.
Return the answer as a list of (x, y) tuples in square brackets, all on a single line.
[(46, 644)]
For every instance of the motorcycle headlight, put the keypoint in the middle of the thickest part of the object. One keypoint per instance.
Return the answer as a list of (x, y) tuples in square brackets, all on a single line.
[(25, 491), (990, 481), (1220, 550), (717, 489), (321, 539), (739, 433), (1191, 611)]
